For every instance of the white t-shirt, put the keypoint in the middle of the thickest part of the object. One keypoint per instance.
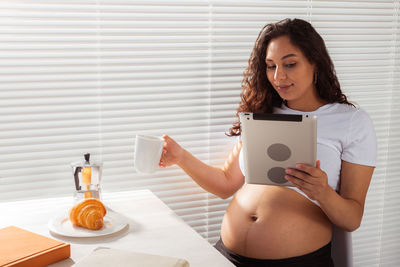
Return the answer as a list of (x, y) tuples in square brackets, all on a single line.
[(344, 133)]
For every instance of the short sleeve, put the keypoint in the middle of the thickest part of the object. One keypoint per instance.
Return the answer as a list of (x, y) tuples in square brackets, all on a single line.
[(361, 146)]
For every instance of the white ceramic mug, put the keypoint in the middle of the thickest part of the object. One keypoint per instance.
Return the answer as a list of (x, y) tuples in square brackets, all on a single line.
[(148, 151)]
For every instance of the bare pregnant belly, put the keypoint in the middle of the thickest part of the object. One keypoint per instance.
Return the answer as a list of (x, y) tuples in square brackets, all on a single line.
[(271, 222)]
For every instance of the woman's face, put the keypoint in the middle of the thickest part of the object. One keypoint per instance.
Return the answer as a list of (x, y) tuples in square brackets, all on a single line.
[(290, 73)]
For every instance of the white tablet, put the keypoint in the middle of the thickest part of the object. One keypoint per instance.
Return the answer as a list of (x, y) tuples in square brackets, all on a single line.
[(273, 142)]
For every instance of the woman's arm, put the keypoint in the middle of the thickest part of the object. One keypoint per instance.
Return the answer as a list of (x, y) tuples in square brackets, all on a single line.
[(345, 209), (221, 182)]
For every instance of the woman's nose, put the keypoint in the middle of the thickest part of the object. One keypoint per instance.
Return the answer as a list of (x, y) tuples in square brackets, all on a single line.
[(279, 74)]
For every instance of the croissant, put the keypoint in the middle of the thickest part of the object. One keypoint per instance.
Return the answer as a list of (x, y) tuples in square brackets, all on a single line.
[(88, 213)]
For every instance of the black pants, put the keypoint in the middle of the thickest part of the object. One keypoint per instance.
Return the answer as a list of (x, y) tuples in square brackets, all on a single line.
[(318, 258)]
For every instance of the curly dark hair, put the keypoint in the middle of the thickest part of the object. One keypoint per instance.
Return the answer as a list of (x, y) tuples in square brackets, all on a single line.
[(258, 95)]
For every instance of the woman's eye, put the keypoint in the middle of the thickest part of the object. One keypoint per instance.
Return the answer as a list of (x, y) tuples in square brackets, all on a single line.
[(291, 65), (270, 67)]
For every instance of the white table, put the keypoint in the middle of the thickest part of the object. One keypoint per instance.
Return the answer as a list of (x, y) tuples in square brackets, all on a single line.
[(153, 228)]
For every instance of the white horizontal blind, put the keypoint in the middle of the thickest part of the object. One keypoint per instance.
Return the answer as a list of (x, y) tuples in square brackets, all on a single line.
[(50, 95), (391, 213), (155, 80), (86, 76), (361, 40)]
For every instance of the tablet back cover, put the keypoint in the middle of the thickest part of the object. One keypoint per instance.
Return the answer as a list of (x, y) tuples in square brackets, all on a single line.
[(273, 142)]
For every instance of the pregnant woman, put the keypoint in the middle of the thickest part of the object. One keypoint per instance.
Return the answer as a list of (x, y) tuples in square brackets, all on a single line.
[(291, 72)]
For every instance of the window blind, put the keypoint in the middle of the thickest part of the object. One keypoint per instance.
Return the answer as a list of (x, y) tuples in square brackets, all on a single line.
[(360, 39), (86, 76), (391, 214)]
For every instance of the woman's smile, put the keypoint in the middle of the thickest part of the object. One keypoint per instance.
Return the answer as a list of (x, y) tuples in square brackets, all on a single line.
[(284, 88)]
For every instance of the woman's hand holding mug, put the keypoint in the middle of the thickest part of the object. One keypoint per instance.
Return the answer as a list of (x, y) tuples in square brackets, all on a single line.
[(172, 152)]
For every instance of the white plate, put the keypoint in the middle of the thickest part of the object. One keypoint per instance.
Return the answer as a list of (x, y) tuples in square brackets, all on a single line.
[(113, 222)]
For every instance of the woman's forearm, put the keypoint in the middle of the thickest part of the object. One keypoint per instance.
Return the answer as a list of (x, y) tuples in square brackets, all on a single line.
[(210, 178), (345, 213), (346, 210)]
